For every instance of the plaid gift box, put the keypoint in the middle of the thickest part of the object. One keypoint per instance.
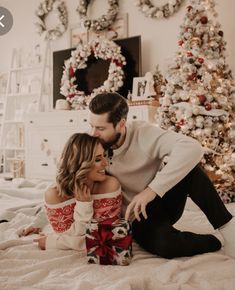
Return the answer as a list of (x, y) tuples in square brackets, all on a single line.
[(109, 243)]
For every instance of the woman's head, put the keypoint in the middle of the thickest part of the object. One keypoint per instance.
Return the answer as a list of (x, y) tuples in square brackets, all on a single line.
[(82, 160)]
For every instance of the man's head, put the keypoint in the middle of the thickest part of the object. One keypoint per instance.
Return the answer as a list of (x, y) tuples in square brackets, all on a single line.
[(108, 114)]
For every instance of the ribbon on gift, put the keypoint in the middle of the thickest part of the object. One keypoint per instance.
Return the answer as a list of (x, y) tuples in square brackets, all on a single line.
[(103, 243)]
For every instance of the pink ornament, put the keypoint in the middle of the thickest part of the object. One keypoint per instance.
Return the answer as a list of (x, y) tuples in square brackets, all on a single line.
[(204, 20), (202, 99), (208, 106), (189, 7), (221, 33), (192, 77), (180, 42), (200, 60)]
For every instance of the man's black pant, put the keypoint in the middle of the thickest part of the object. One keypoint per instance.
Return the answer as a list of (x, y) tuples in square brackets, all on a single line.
[(157, 234)]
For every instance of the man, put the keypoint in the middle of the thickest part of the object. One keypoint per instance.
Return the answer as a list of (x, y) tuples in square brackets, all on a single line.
[(158, 170)]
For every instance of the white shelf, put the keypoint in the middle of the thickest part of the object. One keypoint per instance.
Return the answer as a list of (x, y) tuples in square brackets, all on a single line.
[(22, 95), (25, 87), (19, 69), (13, 148), (6, 175), (14, 121), (14, 158)]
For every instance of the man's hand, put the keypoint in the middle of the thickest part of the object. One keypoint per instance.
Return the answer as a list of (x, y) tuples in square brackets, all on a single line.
[(139, 202), (41, 241)]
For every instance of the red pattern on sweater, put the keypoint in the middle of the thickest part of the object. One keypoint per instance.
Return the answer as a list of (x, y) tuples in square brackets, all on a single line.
[(61, 217)]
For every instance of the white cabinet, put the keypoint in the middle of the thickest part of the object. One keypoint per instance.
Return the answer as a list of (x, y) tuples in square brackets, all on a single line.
[(47, 133), (144, 112)]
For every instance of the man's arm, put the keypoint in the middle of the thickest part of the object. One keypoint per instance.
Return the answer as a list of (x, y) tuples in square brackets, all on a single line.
[(139, 202), (183, 154)]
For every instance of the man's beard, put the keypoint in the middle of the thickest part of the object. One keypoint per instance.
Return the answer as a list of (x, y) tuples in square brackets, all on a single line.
[(110, 143)]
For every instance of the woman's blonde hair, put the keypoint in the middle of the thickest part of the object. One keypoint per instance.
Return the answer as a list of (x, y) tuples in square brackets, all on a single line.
[(76, 160)]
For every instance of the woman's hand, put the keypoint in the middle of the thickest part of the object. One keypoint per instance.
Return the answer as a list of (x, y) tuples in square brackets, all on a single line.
[(139, 202), (41, 241), (28, 231), (84, 194)]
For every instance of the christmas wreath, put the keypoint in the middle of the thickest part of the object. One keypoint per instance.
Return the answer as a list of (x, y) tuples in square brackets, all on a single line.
[(103, 22), (163, 11), (105, 49), (45, 7)]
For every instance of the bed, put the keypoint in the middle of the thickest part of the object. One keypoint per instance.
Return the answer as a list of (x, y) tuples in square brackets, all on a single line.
[(23, 266)]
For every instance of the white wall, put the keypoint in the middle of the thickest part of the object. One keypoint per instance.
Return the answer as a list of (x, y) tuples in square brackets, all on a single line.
[(159, 37)]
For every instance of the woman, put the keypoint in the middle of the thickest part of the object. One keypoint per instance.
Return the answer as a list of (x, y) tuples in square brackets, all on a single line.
[(83, 191)]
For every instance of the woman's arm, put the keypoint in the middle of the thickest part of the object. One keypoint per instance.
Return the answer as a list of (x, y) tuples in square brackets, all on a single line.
[(74, 237), (36, 226)]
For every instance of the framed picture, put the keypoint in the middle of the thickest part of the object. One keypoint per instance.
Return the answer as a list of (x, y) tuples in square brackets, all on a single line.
[(78, 35), (139, 87), (93, 34)]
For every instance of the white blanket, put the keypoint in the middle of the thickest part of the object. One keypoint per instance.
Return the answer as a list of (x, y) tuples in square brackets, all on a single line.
[(24, 267)]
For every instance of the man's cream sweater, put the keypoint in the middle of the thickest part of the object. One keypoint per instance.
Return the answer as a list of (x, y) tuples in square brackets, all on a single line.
[(138, 163)]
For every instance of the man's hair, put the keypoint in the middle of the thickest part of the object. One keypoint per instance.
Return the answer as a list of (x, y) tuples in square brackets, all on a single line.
[(76, 161), (112, 103)]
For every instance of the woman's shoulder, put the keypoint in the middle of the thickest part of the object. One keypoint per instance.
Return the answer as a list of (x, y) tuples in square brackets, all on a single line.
[(51, 195), (110, 184)]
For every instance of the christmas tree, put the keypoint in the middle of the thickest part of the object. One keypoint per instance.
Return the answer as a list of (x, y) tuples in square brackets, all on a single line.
[(198, 93)]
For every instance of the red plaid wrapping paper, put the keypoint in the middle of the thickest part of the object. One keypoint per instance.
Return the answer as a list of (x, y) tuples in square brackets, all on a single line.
[(109, 243)]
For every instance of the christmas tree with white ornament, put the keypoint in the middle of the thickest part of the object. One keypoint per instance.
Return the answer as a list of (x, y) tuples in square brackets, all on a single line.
[(199, 92)]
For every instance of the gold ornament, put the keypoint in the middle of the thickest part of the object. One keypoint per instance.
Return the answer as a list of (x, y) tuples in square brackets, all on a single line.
[(195, 41)]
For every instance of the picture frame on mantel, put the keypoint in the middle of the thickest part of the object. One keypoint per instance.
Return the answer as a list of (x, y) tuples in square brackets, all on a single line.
[(138, 89), (78, 35)]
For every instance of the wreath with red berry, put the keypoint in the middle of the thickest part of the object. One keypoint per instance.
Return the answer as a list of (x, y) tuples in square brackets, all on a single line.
[(105, 49)]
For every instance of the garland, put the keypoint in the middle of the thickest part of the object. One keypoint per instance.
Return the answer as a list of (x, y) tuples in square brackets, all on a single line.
[(163, 11), (103, 22), (43, 10), (105, 49)]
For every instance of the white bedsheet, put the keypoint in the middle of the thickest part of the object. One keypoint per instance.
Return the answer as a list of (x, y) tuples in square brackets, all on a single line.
[(23, 266)]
